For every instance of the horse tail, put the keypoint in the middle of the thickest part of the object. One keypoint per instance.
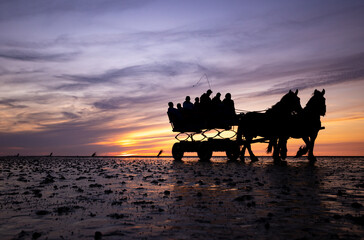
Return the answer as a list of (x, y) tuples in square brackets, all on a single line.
[(301, 151), (270, 146)]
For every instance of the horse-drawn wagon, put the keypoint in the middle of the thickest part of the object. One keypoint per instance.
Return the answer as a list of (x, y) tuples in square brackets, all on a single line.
[(205, 141), (207, 137), (216, 133)]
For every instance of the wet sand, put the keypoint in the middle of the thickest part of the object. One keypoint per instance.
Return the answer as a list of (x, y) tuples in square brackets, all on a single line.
[(147, 198)]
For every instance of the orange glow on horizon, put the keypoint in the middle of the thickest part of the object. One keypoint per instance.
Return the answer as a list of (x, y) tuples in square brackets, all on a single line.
[(330, 141), (342, 136)]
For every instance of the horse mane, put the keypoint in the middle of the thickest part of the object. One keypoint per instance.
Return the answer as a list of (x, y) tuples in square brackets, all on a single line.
[(279, 105), (311, 102)]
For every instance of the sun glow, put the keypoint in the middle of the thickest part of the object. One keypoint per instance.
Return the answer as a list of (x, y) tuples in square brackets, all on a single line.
[(141, 142)]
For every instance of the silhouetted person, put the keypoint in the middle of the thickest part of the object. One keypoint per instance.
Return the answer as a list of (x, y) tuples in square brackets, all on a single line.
[(179, 108), (175, 116), (188, 114), (205, 107), (229, 108), (196, 104), (173, 111), (217, 111), (187, 105), (196, 113), (216, 101), (205, 98)]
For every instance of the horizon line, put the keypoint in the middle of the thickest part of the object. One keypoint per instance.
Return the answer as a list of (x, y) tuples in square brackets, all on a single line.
[(153, 156)]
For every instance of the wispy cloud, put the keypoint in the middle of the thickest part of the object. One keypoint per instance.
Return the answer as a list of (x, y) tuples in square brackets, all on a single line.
[(128, 75), (4, 72), (164, 69), (330, 72), (23, 8), (35, 56), (11, 103), (118, 103)]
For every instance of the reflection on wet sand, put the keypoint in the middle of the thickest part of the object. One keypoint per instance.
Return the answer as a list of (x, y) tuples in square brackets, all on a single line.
[(139, 198)]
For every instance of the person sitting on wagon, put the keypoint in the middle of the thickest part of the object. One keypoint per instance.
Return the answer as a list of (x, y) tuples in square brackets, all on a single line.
[(187, 105), (179, 108), (196, 104), (216, 101), (196, 109), (175, 116), (205, 107), (217, 109), (229, 109), (188, 113), (205, 97)]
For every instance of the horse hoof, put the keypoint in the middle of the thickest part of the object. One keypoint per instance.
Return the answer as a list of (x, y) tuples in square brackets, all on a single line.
[(254, 159), (312, 159)]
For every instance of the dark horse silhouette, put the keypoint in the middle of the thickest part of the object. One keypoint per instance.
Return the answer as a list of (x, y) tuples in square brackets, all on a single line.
[(306, 125), (269, 124)]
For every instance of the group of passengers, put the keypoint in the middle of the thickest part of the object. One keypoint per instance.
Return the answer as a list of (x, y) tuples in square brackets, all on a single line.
[(203, 113)]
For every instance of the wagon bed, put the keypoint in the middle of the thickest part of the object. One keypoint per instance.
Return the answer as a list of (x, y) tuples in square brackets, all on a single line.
[(206, 139)]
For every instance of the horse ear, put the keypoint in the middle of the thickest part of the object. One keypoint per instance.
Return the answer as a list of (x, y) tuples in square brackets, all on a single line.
[(315, 92), (296, 92), (290, 91), (323, 91)]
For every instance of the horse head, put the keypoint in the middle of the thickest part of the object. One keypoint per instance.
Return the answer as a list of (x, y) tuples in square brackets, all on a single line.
[(291, 102), (317, 103)]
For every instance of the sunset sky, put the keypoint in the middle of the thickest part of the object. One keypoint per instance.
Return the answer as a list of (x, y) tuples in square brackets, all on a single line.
[(78, 77)]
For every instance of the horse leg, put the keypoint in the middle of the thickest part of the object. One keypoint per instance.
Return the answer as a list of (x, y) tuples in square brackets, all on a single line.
[(277, 148), (283, 147), (239, 141), (311, 157), (253, 158), (303, 150), (242, 153), (276, 157)]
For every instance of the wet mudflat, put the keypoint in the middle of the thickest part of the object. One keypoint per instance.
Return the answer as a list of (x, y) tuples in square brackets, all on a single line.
[(147, 198)]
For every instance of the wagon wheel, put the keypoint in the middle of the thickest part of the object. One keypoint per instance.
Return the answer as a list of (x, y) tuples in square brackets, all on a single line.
[(233, 151), (177, 151), (204, 152)]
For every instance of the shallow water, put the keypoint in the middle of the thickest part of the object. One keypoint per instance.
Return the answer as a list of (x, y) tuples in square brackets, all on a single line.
[(149, 198)]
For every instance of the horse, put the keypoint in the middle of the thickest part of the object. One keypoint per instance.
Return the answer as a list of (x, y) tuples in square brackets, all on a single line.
[(306, 125), (269, 124)]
